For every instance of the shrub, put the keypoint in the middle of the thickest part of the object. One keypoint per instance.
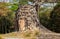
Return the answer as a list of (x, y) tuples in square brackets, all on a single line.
[(6, 19)]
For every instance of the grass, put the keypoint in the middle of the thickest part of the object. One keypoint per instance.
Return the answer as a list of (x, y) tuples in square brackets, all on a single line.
[(28, 34), (1, 37)]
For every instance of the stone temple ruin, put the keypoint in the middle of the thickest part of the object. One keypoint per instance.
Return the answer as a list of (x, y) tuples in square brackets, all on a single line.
[(27, 18)]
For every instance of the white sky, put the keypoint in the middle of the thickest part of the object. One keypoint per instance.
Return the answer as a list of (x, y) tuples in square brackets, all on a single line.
[(6, 0)]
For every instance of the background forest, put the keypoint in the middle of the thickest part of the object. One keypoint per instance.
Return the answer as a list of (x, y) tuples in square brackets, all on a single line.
[(49, 15)]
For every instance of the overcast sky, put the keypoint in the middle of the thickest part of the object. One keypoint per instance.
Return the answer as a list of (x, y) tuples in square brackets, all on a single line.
[(6, 0)]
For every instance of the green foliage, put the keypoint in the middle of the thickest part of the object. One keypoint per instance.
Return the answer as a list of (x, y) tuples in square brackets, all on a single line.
[(3, 9), (6, 19), (44, 16), (31, 0), (51, 19), (23, 2), (55, 19), (14, 7)]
